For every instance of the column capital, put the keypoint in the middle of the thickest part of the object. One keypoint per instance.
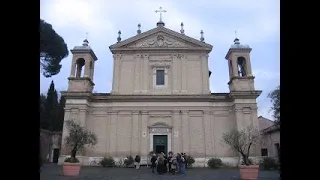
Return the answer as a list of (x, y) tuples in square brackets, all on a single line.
[(117, 56), (146, 56), (185, 112), (176, 111), (144, 112), (113, 112)]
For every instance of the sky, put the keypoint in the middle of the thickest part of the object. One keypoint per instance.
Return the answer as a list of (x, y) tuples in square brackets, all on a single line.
[(256, 22)]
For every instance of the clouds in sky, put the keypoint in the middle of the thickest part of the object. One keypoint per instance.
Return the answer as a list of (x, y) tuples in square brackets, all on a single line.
[(257, 23)]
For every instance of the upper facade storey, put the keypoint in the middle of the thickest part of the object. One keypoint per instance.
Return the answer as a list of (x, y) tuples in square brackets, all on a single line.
[(160, 61)]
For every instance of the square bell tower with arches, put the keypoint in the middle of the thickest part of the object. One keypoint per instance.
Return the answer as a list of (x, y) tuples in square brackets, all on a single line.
[(240, 73), (82, 68), (241, 85)]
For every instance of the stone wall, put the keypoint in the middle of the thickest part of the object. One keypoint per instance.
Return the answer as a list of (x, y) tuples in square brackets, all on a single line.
[(49, 141)]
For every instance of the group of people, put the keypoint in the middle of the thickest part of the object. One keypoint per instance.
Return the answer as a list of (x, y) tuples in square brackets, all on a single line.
[(173, 163)]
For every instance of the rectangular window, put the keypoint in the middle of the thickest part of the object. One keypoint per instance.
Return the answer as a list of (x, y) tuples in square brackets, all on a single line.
[(160, 77), (264, 152)]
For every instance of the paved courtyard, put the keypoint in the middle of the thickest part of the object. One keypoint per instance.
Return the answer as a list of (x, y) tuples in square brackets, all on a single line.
[(54, 172)]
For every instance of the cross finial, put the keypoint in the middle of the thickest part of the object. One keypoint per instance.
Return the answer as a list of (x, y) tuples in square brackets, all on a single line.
[(236, 40), (87, 35), (160, 11)]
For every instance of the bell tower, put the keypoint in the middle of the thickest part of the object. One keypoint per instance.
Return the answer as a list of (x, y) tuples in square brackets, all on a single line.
[(240, 73), (241, 86), (82, 68)]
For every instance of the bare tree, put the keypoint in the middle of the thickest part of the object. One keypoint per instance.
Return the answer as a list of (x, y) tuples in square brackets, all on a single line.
[(78, 137), (242, 140)]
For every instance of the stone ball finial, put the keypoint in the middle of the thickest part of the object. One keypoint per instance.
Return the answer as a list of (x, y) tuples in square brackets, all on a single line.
[(182, 30), (139, 31), (202, 38)]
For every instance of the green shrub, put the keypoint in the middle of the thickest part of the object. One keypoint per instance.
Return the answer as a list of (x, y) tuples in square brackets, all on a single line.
[(190, 161), (268, 163), (107, 162), (250, 161), (129, 161), (215, 163), (71, 160)]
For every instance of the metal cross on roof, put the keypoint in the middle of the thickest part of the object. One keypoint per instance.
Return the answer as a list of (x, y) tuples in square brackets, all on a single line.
[(160, 11)]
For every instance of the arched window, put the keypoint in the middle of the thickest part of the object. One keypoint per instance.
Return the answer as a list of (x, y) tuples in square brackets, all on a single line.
[(80, 63), (242, 71)]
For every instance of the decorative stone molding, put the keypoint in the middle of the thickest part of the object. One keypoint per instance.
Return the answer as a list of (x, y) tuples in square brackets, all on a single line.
[(117, 56), (160, 115), (160, 130), (160, 63), (162, 41)]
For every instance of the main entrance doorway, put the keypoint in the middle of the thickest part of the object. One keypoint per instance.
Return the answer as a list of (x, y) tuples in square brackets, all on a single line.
[(160, 144)]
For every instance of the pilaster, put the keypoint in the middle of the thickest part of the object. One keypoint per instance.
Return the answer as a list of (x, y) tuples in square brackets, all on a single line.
[(116, 73), (65, 132), (205, 74), (177, 135), (207, 133), (137, 69), (73, 67), (145, 73), (87, 68), (135, 133), (235, 67), (145, 134), (174, 70), (184, 74), (113, 132), (185, 131)]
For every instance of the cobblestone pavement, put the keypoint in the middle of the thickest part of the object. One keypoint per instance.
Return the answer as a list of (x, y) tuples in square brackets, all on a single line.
[(54, 172)]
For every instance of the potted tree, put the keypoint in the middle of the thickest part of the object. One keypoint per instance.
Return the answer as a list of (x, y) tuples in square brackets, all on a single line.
[(78, 137), (241, 141)]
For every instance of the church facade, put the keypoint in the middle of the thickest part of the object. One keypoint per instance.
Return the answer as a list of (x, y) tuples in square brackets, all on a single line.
[(160, 99)]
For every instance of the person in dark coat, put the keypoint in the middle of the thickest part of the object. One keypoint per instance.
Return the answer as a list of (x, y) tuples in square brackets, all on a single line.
[(161, 164), (169, 160), (137, 161), (153, 162), (178, 162), (165, 170)]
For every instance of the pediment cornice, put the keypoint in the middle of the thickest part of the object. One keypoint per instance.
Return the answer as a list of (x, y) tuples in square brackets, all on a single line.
[(163, 39)]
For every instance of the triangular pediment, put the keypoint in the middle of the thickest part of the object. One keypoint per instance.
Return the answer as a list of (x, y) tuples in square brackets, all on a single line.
[(161, 38)]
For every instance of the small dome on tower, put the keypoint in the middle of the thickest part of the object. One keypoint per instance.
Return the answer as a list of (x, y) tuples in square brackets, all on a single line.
[(237, 45)]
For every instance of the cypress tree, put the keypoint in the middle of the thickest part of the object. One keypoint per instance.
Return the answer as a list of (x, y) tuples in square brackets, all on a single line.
[(51, 109), (43, 123), (60, 119)]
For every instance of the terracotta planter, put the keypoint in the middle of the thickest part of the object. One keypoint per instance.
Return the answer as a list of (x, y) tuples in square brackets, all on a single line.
[(71, 169), (249, 172)]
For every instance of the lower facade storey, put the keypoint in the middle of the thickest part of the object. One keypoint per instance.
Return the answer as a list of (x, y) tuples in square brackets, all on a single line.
[(145, 160)]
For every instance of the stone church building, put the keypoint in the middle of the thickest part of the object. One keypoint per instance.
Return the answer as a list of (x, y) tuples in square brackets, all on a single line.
[(160, 99)]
